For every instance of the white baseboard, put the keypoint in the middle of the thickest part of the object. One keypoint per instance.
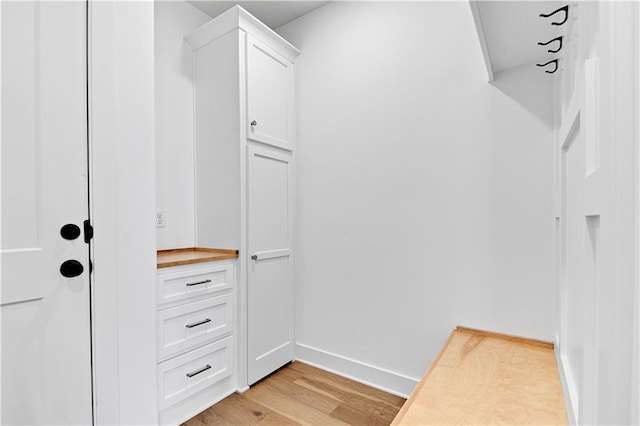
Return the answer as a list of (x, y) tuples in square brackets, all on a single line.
[(242, 389), (379, 378), (566, 391)]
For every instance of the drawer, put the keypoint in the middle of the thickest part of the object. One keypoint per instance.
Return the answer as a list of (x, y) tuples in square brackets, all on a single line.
[(194, 283), (185, 375), (186, 326)]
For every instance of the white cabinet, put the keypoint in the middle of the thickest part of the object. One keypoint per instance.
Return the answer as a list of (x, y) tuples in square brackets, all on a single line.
[(195, 328), (245, 154), (269, 95)]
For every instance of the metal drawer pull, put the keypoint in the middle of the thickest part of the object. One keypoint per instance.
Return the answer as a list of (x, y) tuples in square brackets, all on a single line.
[(195, 324), (198, 283), (195, 373)]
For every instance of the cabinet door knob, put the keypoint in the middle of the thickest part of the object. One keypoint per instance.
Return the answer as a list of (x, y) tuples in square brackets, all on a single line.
[(254, 257), (254, 123)]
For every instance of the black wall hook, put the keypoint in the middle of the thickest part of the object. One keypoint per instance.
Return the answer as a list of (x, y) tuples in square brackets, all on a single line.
[(553, 61), (559, 38), (564, 9)]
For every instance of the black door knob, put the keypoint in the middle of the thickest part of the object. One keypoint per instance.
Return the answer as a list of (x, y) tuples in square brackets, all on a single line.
[(71, 268), (70, 231)]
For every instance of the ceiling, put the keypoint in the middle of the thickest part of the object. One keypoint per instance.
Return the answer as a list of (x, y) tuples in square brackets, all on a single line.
[(272, 13), (512, 30), (509, 30)]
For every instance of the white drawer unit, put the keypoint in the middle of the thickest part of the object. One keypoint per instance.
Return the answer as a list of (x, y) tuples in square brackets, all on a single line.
[(185, 375), (186, 326), (195, 337), (183, 285)]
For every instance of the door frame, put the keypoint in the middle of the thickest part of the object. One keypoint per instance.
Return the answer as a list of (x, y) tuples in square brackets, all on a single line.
[(635, 391), (122, 207)]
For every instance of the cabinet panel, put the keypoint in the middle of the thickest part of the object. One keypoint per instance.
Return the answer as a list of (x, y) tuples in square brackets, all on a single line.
[(272, 307), (269, 95), (186, 326), (270, 198), (269, 280)]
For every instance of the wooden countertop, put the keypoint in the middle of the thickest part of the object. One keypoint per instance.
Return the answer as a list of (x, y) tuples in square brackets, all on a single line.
[(187, 256), (487, 378)]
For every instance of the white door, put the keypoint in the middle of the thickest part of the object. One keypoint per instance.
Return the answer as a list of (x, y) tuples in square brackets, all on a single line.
[(269, 95), (270, 290), (593, 310), (46, 357)]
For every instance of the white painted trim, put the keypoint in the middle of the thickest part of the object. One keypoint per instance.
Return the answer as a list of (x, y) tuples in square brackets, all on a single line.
[(103, 195), (1, 210), (379, 378), (482, 37), (237, 17), (566, 389), (243, 327), (121, 138), (635, 390), (568, 130), (243, 389)]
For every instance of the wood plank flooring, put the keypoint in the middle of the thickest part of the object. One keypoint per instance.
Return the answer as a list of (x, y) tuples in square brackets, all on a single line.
[(304, 395)]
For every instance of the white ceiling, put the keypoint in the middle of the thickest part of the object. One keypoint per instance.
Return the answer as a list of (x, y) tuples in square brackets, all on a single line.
[(272, 13), (513, 29)]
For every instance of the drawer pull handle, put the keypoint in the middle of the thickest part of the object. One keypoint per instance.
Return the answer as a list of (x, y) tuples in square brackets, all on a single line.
[(198, 283), (195, 324), (198, 371)]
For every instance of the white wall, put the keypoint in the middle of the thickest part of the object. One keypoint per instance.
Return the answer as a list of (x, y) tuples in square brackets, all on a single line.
[(174, 121), (424, 193)]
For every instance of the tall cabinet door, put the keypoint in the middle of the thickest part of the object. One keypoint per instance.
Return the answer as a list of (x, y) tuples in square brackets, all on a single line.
[(269, 95), (270, 270)]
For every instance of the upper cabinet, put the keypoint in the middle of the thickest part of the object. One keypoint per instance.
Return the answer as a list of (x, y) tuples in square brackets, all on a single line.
[(241, 52), (269, 95)]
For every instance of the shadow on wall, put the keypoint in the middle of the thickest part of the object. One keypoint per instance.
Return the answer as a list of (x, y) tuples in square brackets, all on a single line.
[(530, 88)]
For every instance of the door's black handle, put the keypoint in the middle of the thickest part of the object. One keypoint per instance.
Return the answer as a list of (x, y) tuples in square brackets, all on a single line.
[(70, 231), (71, 268)]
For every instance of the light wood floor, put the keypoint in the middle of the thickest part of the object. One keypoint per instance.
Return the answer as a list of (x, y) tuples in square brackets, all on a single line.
[(301, 394)]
